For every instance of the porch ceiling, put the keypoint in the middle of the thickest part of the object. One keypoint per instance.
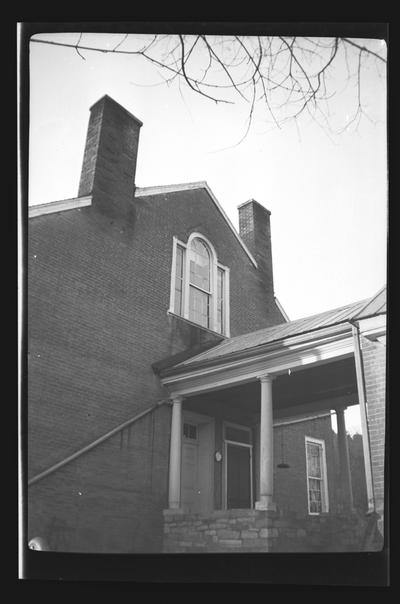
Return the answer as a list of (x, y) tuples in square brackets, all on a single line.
[(309, 390)]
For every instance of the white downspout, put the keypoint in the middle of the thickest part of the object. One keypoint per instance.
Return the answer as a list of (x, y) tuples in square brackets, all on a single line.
[(362, 399)]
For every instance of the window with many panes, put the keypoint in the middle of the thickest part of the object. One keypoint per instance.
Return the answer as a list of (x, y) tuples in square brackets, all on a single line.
[(317, 491), (200, 284)]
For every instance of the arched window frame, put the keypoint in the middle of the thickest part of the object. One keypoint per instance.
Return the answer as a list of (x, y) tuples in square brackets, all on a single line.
[(214, 267)]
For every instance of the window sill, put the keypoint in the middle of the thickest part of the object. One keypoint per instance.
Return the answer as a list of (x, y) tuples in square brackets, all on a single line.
[(215, 333)]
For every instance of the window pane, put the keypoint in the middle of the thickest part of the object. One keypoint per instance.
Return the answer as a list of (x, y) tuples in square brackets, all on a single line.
[(190, 431), (179, 261), (236, 434), (178, 299), (314, 454), (315, 496), (199, 303), (220, 301), (315, 477), (199, 264)]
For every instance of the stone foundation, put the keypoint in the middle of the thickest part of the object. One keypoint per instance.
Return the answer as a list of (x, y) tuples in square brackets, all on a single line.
[(266, 531)]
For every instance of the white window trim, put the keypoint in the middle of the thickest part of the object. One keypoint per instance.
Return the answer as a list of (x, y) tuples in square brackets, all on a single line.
[(186, 271), (175, 243), (324, 490)]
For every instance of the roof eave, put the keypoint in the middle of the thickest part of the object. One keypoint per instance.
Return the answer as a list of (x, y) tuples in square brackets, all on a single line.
[(53, 207)]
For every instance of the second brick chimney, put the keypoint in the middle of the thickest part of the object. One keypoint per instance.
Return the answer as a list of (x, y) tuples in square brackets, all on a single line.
[(255, 230), (109, 162)]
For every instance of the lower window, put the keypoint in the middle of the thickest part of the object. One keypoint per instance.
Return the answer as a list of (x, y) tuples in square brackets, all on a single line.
[(317, 491)]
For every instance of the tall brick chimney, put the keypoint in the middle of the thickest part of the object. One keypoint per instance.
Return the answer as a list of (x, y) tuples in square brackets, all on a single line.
[(109, 162), (255, 230)]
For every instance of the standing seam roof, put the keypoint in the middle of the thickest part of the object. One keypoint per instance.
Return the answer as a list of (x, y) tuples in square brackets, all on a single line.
[(375, 305), (279, 332)]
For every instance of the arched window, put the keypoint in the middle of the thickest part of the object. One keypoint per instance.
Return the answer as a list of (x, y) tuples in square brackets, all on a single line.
[(200, 284)]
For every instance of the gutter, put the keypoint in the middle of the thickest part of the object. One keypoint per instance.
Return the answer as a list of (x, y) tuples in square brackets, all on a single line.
[(96, 442), (362, 399)]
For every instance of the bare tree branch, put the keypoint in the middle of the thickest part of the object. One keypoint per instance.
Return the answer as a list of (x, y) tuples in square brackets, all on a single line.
[(77, 46), (119, 43), (364, 49), (189, 80), (288, 75)]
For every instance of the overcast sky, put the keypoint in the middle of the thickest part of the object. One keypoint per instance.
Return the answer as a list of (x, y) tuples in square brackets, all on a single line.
[(327, 194)]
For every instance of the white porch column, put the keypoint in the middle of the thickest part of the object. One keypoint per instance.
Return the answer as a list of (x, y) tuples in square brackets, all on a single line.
[(266, 447), (175, 452), (344, 459)]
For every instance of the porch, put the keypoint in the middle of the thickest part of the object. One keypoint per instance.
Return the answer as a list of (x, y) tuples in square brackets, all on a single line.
[(230, 501), (230, 486)]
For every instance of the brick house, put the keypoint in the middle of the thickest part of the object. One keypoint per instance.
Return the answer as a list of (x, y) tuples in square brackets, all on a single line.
[(171, 404)]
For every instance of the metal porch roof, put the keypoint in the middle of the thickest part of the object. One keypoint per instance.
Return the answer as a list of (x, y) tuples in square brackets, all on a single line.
[(375, 305), (356, 310)]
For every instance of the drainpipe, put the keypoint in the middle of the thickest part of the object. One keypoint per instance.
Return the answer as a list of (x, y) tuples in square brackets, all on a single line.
[(362, 399)]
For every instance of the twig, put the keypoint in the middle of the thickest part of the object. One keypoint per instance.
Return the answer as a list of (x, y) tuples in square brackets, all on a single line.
[(77, 45)]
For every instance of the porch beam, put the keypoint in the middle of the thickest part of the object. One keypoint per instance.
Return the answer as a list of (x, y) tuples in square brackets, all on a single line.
[(175, 453), (266, 501)]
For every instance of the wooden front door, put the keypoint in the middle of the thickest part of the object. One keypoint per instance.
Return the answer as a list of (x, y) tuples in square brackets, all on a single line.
[(190, 479), (238, 477), (197, 477), (238, 466)]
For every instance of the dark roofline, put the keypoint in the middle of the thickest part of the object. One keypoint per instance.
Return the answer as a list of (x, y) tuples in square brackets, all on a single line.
[(168, 362)]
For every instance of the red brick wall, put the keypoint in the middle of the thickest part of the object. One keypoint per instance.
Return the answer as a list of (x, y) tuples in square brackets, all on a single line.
[(290, 484), (251, 305), (110, 499), (97, 319), (374, 362)]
